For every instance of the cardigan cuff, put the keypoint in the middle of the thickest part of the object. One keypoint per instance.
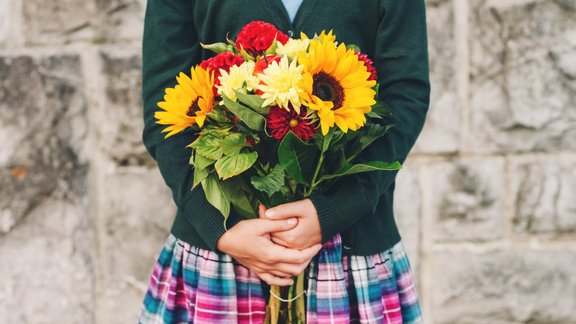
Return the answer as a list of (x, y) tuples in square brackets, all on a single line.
[(340, 209)]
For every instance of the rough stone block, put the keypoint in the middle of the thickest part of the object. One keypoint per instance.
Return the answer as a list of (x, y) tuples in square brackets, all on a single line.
[(523, 86), (137, 212), (517, 286), (6, 21), (441, 133), (408, 211), (47, 267), (467, 200), (544, 194), (42, 127), (63, 21), (122, 132)]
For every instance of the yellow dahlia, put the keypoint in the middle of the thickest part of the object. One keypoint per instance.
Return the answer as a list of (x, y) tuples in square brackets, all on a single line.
[(282, 84), (293, 47), (188, 102), (237, 78), (340, 89)]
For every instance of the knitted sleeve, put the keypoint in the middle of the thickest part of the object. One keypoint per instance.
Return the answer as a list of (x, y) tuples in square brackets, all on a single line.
[(170, 46), (401, 59)]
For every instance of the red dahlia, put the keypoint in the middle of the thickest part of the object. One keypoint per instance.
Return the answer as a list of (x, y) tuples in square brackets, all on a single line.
[(258, 36), (224, 61), (281, 121), (369, 65)]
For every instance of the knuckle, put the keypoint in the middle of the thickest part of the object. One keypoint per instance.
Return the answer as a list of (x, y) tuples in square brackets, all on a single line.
[(268, 257)]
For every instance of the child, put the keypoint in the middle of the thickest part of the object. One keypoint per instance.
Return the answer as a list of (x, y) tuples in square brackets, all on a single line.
[(358, 268)]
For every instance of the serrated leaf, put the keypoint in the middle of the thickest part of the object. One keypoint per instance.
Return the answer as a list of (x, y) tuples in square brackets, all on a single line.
[(251, 118), (298, 158), (218, 116), (215, 195), (233, 143), (271, 183), (253, 101), (208, 146), (363, 167), (233, 165)]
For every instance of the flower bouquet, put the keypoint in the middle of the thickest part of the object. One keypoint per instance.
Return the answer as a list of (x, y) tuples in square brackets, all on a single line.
[(277, 119)]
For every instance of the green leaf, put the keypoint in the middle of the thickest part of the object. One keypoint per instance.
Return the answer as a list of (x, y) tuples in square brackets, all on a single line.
[(354, 47), (216, 47), (298, 158), (363, 167), (200, 175), (252, 119), (208, 146), (270, 183), (272, 48), (233, 165), (246, 56), (215, 195), (253, 101), (381, 109), (327, 139), (219, 116), (371, 133), (233, 143), (241, 197), (201, 162)]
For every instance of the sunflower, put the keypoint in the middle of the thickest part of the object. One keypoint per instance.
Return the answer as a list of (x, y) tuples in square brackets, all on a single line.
[(340, 89), (188, 102)]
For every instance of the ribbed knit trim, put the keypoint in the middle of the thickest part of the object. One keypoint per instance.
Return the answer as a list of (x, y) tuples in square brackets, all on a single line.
[(346, 205), (210, 226)]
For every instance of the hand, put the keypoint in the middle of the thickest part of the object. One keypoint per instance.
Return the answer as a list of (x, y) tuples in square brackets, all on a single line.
[(249, 243), (306, 234)]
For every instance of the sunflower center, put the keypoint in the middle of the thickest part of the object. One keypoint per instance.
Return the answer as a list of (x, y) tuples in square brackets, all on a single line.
[(327, 88), (293, 123), (194, 107)]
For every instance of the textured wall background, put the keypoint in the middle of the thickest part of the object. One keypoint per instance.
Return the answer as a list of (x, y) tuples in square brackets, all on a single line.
[(486, 202)]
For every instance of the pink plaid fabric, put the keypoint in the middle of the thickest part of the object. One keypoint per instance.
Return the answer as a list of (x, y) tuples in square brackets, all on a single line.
[(191, 285)]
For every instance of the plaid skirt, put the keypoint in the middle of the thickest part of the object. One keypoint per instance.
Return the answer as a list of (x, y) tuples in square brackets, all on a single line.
[(192, 285)]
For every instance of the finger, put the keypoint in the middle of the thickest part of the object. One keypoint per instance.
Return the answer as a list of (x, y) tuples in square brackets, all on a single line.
[(288, 268), (284, 211), (265, 268), (275, 281), (278, 241), (282, 254), (262, 211), (266, 226)]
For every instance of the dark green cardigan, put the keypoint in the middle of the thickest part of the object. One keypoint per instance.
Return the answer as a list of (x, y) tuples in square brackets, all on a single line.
[(392, 32)]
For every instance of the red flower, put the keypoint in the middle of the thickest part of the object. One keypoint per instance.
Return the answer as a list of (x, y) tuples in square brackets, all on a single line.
[(369, 65), (258, 36), (281, 121), (224, 61)]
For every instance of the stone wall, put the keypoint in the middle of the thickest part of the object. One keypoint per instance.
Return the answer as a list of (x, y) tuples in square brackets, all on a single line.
[(485, 203)]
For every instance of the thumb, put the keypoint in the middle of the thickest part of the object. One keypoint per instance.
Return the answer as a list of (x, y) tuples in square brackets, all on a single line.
[(268, 226)]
